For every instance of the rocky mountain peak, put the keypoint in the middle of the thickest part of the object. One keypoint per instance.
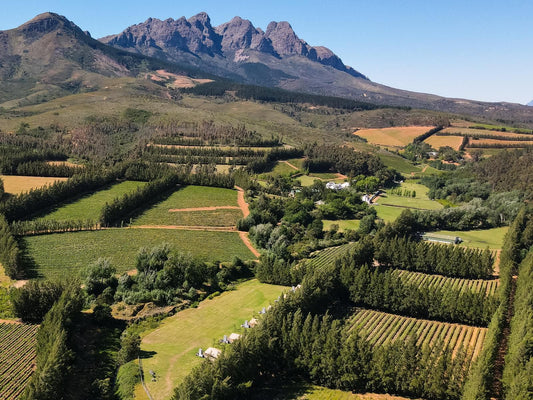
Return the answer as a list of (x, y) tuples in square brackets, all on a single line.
[(284, 39)]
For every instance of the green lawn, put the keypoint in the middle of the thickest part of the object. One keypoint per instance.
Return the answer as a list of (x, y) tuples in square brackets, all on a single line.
[(388, 214), (342, 223), (493, 238), (64, 254), (90, 205), (174, 343), (307, 180)]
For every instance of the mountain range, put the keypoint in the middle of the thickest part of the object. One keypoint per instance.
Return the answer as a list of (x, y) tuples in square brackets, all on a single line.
[(530, 103), (50, 56)]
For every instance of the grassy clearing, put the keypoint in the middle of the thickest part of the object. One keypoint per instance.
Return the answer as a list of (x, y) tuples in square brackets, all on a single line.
[(173, 345), (64, 254), (325, 176), (343, 224), (18, 184), (306, 180), (90, 205), (491, 238), (394, 137), (387, 213)]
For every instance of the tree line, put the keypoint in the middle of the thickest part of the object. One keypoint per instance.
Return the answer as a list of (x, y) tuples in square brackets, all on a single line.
[(42, 168), (432, 258), (10, 256)]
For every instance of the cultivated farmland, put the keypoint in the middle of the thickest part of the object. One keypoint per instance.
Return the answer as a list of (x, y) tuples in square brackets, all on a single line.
[(64, 254), (437, 142), (393, 137), (442, 282), (328, 256), (176, 341), (14, 184), (17, 358), (195, 206), (381, 328)]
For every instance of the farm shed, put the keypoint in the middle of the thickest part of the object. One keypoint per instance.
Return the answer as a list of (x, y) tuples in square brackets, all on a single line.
[(436, 238)]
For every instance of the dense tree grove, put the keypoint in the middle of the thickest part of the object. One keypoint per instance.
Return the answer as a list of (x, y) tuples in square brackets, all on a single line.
[(420, 256), (32, 301), (55, 356), (10, 257), (166, 277)]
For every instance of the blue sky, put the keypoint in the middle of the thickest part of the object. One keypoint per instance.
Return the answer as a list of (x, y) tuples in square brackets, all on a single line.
[(475, 49)]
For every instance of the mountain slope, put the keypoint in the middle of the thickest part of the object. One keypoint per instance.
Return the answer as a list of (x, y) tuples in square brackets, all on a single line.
[(530, 103), (50, 56)]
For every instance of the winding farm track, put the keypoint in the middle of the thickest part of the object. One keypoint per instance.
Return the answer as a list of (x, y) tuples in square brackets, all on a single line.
[(291, 165)]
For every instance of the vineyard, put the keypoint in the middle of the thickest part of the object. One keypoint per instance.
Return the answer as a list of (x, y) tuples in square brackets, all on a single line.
[(430, 281), (382, 328), (328, 255), (17, 358)]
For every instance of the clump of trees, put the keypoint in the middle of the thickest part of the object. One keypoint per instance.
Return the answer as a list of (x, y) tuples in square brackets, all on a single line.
[(32, 301)]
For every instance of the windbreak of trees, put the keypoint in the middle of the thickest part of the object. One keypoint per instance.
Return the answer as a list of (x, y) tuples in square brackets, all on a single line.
[(10, 256), (124, 206), (41, 168), (25, 205), (40, 226), (208, 133), (453, 261), (518, 240), (428, 134), (12, 156), (55, 355)]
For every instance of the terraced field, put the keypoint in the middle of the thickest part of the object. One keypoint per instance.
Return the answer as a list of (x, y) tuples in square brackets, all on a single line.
[(430, 281), (17, 358), (381, 328)]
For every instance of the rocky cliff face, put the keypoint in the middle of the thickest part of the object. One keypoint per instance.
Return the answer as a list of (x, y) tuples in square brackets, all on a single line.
[(195, 36)]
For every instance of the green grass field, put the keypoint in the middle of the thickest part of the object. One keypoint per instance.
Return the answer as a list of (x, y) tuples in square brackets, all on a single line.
[(64, 254), (398, 163), (193, 197), (90, 205), (493, 238), (175, 343), (420, 201), (307, 180), (342, 223), (388, 214)]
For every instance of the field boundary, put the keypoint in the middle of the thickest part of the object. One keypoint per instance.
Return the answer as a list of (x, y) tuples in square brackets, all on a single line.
[(212, 208)]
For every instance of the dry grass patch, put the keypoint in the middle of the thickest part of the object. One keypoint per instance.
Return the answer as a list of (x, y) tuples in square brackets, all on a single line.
[(14, 184), (440, 141), (394, 137)]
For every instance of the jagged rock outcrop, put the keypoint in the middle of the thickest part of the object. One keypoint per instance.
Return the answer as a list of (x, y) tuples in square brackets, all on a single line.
[(173, 38)]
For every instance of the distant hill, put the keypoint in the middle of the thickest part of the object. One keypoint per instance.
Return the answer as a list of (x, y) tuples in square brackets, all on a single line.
[(50, 56)]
